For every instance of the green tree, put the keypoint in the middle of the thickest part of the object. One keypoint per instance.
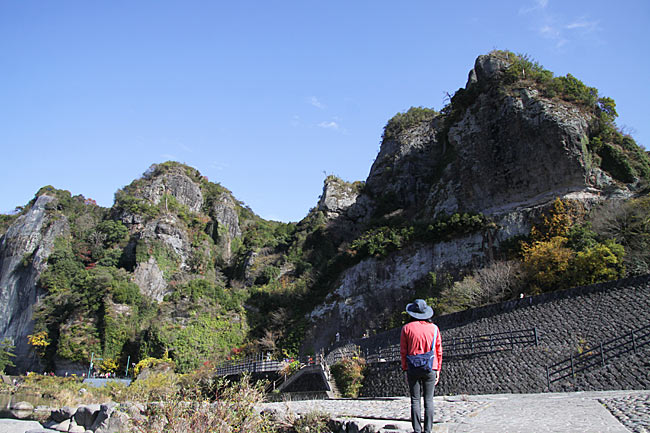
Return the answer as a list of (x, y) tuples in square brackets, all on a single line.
[(602, 262), (608, 108), (114, 231), (6, 354)]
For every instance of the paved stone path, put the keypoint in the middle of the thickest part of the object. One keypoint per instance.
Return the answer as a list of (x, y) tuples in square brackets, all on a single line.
[(632, 410), (18, 426), (585, 412)]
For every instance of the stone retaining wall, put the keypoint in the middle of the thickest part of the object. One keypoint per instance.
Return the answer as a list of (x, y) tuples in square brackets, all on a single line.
[(568, 322)]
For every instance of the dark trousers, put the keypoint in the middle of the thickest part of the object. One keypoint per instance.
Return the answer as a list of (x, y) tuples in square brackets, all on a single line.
[(422, 386)]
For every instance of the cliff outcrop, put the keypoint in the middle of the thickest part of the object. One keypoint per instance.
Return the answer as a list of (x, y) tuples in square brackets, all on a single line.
[(505, 148), (498, 147), (24, 251)]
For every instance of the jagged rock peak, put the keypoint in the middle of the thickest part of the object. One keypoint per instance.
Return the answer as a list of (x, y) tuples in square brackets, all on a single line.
[(338, 195), (176, 180), (405, 165), (489, 67), (514, 136)]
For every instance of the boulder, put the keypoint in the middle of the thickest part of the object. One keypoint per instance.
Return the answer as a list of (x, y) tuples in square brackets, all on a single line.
[(18, 426), (61, 426), (62, 414), (22, 405), (117, 422), (85, 415), (103, 415), (76, 428)]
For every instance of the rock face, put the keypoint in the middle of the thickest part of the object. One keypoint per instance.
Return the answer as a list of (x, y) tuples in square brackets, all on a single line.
[(404, 168), (226, 227), (164, 244), (502, 160), (369, 291), (225, 214), (344, 206), (507, 150), (178, 185), (150, 280), (24, 250), (338, 196)]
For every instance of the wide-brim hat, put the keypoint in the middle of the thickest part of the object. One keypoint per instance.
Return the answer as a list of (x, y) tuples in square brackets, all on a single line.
[(419, 309)]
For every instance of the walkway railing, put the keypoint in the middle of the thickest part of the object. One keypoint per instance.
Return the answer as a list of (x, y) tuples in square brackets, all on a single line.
[(259, 363), (599, 355), (458, 347)]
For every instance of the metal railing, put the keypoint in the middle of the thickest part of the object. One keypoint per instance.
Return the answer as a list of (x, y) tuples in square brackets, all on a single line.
[(598, 355), (259, 363), (460, 347), (457, 347)]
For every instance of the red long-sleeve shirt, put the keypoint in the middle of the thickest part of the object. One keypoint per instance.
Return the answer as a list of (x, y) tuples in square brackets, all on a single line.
[(416, 338)]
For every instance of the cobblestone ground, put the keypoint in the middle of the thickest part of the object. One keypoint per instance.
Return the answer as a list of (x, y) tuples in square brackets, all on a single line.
[(446, 409), (580, 411), (633, 411)]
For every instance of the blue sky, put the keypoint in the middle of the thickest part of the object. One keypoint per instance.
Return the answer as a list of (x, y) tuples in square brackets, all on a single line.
[(267, 98)]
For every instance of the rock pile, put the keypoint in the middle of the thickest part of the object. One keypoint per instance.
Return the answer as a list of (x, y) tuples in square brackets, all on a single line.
[(105, 418)]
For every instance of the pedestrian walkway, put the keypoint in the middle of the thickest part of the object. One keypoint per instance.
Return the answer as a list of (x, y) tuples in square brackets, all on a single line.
[(585, 412)]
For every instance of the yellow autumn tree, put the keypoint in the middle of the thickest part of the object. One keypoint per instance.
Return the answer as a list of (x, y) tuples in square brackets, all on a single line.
[(546, 262), (549, 263), (108, 365), (602, 262), (39, 342), (557, 220)]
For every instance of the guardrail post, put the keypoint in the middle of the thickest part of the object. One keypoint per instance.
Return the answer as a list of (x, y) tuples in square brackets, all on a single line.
[(602, 354), (573, 373)]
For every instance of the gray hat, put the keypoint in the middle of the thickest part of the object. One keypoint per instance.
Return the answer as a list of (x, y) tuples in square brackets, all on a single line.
[(419, 309)]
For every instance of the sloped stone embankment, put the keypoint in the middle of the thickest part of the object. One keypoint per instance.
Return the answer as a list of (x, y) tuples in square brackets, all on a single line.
[(568, 322)]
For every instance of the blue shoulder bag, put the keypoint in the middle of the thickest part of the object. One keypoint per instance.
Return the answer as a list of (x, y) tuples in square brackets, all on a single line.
[(422, 363)]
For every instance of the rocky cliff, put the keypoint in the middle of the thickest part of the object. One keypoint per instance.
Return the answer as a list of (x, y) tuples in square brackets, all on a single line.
[(89, 280), (504, 148), (24, 251)]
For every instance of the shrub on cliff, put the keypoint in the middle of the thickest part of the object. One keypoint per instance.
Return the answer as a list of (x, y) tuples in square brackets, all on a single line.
[(403, 121), (628, 224)]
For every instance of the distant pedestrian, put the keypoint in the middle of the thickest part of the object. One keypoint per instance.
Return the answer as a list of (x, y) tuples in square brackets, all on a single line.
[(421, 354)]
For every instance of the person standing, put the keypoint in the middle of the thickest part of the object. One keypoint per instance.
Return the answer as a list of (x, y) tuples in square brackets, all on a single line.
[(421, 353)]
